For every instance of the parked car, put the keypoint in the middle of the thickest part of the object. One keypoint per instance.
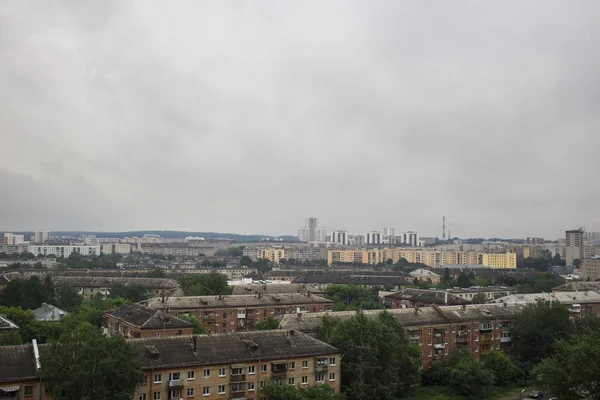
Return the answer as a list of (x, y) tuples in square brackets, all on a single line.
[(536, 394)]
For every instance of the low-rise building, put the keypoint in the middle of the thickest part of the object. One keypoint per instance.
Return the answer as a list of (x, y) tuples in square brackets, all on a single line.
[(275, 288), (222, 314), (423, 274), (137, 321), (437, 331), (19, 373), (178, 250), (234, 366), (6, 325), (4, 281), (578, 287), (90, 286), (591, 268), (49, 313), (322, 280), (576, 302), (490, 292), (410, 298)]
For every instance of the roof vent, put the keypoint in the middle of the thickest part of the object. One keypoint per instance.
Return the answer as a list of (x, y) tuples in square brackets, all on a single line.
[(252, 345), (153, 352)]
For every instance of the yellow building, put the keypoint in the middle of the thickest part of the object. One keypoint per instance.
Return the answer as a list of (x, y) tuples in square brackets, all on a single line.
[(431, 258)]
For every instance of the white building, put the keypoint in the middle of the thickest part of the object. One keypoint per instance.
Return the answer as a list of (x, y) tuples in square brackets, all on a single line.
[(311, 232), (10, 239), (373, 237), (321, 235), (340, 237), (115, 248), (356, 240), (64, 251), (410, 238)]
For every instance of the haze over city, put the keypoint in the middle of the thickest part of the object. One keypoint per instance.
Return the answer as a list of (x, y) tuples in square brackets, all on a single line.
[(239, 117)]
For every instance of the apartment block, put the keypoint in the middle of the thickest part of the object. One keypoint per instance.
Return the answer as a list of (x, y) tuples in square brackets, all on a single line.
[(137, 321), (115, 248), (591, 268), (238, 313), (573, 245), (179, 250), (436, 330), (63, 251), (90, 286), (276, 253)]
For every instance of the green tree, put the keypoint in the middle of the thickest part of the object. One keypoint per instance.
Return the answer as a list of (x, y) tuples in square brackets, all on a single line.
[(133, 293), (66, 297), (577, 263), (572, 372), (198, 327), (274, 391), (468, 379), (157, 273), (378, 351), (262, 265), (212, 283), (463, 280), (479, 298), (26, 293), (10, 338), (245, 261), (85, 364), (267, 324), (353, 297), (503, 369), (537, 328)]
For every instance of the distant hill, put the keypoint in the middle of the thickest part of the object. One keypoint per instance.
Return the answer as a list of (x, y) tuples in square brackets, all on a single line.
[(172, 235)]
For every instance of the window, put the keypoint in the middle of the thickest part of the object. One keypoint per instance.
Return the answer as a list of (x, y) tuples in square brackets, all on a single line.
[(291, 381), (142, 396), (429, 331), (429, 353), (252, 370), (238, 387), (207, 373), (191, 375), (156, 395), (28, 390), (175, 376), (250, 385), (205, 391), (332, 376), (263, 368), (157, 378), (486, 325), (305, 380), (332, 361), (477, 338), (319, 378), (221, 389), (216, 313), (292, 365), (190, 392), (429, 342), (305, 364), (497, 347), (222, 372), (453, 329), (157, 334), (237, 371), (262, 384), (453, 340)]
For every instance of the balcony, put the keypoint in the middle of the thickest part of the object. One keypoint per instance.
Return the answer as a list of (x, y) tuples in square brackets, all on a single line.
[(238, 395), (414, 337), (487, 339), (320, 368), (238, 378), (279, 369), (462, 333), (175, 384), (505, 339), (462, 340), (485, 328), (439, 346)]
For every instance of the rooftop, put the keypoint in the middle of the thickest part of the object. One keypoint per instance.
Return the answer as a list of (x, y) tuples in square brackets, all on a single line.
[(99, 281), (146, 317), (577, 286), (427, 296), (561, 297), (18, 363), (178, 351), (347, 279), (407, 316), (48, 312), (233, 301), (275, 288), (6, 324), (422, 272)]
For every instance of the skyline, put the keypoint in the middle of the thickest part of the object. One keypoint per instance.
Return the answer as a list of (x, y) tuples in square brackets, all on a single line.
[(229, 118)]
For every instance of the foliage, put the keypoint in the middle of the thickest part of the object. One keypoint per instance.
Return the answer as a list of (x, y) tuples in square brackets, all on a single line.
[(541, 264), (267, 324), (245, 261), (103, 261), (353, 297), (465, 280), (198, 327), (577, 263), (27, 293), (230, 252), (157, 273), (10, 338), (541, 282), (66, 297), (133, 293), (468, 379), (378, 361), (212, 283), (537, 328), (85, 364), (479, 298), (403, 265), (505, 372), (274, 391)]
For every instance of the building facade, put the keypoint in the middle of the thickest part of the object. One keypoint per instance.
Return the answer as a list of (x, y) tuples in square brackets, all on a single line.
[(573, 245), (239, 313), (63, 251), (137, 321)]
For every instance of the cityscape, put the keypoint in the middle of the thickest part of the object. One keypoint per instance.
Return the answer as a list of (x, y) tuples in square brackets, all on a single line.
[(299, 200)]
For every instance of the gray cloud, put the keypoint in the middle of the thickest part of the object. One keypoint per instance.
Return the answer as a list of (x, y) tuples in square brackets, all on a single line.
[(249, 116)]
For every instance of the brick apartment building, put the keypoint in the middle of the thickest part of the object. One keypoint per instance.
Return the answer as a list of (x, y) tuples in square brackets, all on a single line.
[(408, 298), (436, 330), (211, 367), (237, 313), (137, 321)]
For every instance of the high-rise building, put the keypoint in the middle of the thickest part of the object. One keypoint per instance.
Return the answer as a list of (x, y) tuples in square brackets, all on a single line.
[(308, 233), (410, 238), (534, 240), (388, 231), (356, 240), (41, 236), (574, 245), (303, 234), (321, 235), (373, 237), (340, 237)]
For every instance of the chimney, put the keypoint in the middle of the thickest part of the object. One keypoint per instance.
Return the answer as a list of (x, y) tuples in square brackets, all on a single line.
[(416, 310), (299, 316), (195, 343), (464, 307), (446, 298), (505, 306), (163, 297)]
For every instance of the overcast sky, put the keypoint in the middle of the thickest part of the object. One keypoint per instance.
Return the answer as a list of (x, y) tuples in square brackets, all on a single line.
[(248, 116)]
